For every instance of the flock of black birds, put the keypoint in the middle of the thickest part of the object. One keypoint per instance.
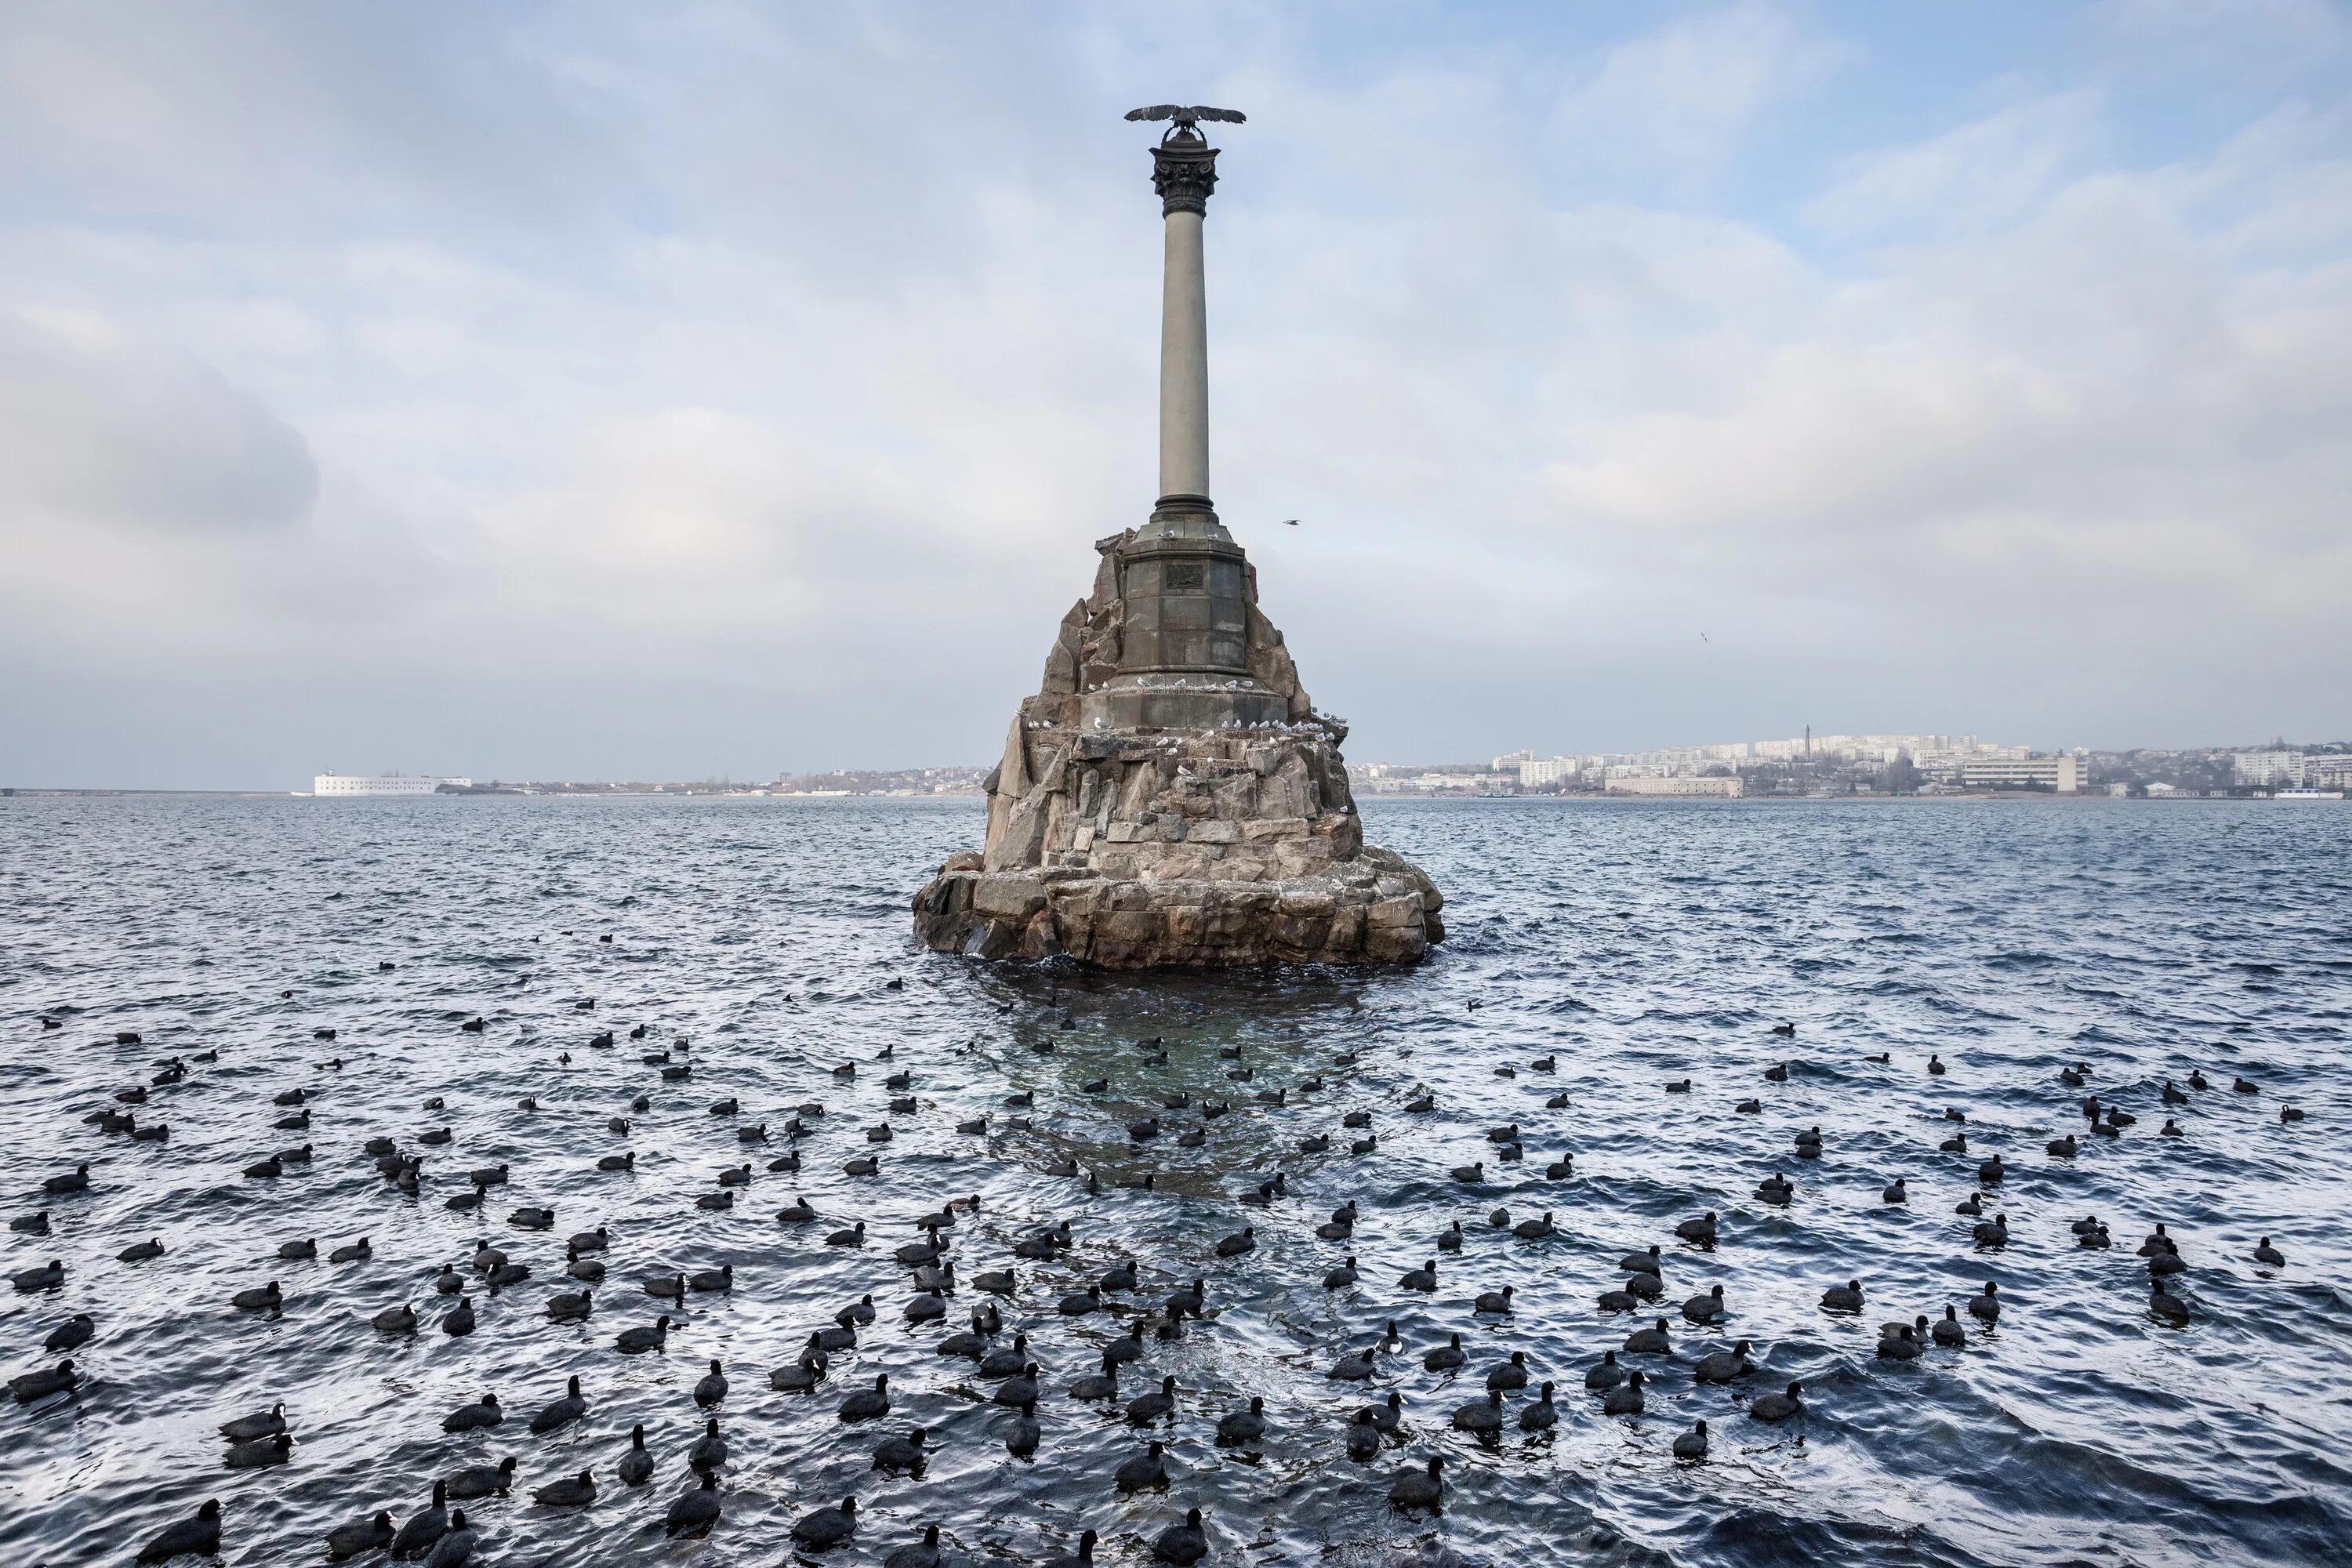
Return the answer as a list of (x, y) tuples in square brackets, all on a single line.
[(1013, 1317)]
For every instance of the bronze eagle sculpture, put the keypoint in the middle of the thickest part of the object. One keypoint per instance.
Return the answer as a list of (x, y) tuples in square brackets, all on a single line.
[(1187, 118)]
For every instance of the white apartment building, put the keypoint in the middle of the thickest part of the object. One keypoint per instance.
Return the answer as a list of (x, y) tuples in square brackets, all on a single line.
[(1535, 774), (2267, 770)]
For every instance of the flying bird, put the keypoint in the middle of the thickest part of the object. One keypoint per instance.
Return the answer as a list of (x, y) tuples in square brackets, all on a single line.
[(1290, 521), (1185, 118)]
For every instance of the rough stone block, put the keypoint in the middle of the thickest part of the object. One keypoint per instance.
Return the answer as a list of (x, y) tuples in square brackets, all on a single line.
[(1008, 896), (1216, 832), (1306, 899)]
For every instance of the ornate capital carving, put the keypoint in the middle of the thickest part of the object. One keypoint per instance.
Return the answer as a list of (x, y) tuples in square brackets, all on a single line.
[(1183, 171)]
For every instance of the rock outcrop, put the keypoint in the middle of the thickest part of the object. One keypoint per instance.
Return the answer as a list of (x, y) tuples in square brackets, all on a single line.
[(1234, 841)]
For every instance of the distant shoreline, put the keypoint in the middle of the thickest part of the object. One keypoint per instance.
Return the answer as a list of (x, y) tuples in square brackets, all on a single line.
[(30, 792)]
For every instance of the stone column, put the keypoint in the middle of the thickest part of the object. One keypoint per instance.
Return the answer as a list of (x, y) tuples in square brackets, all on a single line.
[(1184, 171), (1184, 365)]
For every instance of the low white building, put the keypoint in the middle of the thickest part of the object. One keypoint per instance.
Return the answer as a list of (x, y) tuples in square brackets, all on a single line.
[(382, 783), (2061, 773), (1707, 788)]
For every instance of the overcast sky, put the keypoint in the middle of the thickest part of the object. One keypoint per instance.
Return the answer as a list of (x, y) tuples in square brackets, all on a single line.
[(655, 391)]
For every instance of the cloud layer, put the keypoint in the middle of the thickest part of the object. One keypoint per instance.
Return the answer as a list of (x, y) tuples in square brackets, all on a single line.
[(586, 392)]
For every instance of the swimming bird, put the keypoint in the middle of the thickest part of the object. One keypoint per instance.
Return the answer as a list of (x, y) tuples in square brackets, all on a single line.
[(869, 1403), (42, 1382), (1143, 1471), (571, 1492), (923, 1554), (1243, 1425), (1145, 1408), (1626, 1399), (483, 1412), (370, 1534), (571, 1305), (1985, 1308), (2267, 1253), (1947, 1331), (1691, 1444), (455, 1549), (1102, 1384), (1778, 1406), (1420, 1490), (1703, 1229), (1022, 1436), (561, 1412), (1652, 1341), (636, 1466), (1704, 1309), (1508, 1376), (77, 1330), (481, 1480), (708, 1391), (901, 1453), (263, 1424), (692, 1513), (1422, 1278), (1480, 1416), (710, 1450), (1604, 1376), (197, 1536), (50, 1275), (425, 1527), (634, 1342), (1183, 1544), (1724, 1366)]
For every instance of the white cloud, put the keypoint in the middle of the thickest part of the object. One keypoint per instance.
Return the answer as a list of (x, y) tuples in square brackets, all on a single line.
[(1678, 102), (99, 428)]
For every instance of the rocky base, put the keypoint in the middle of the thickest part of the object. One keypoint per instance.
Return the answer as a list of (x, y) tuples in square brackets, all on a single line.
[(1186, 850), (1378, 908), (1158, 811)]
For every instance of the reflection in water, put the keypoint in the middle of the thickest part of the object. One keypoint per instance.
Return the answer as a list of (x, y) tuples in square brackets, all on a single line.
[(1637, 944)]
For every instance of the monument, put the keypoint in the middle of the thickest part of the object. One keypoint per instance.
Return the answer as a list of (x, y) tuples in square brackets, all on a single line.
[(1170, 797)]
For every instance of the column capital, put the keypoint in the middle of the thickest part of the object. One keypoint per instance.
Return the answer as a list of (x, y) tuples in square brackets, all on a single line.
[(1184, 173)]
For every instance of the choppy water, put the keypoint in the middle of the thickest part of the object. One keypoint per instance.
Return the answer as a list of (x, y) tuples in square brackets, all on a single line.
[(1638, 942)]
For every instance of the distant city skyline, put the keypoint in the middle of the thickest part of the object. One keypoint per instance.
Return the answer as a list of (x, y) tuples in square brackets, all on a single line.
[(540, 391)]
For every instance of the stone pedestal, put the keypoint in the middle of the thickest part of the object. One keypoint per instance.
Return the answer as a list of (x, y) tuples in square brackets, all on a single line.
[(1228, 838)]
